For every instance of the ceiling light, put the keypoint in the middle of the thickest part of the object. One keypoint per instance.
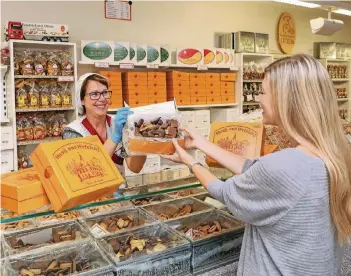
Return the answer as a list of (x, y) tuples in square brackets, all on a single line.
[(342, 11), (299, 3)]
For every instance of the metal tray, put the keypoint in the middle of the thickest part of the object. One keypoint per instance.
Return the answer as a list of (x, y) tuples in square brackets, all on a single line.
[(216, 250), (175, 260), (167, 210), (139, 218), (154, 200), (43, 236), (106, 208), (78, 251), (188, 192)]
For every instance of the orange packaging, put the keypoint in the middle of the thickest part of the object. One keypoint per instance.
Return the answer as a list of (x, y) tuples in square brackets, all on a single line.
[(212, 77), (267, 149), (244, 139), (228, 77), (213, 100), (180, 100), (228, 99), (177, 75), (22, 191), (75, 171), (198, 100)]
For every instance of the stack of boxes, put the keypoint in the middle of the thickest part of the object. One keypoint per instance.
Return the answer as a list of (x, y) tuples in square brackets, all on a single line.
[(213, 88), (197, 89), (228, 88), (115, 83), (178, 87), (156, 87), (135, 89)]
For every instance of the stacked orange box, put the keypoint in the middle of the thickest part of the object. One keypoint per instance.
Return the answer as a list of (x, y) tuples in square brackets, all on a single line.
[(228, 88), (178, 87), (213, 88), (135, 89), (115, 82), (198, 89), (156, 87)]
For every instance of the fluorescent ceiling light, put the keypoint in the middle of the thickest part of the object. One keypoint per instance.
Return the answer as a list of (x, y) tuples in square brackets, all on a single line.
[(342, 11), (299, 3)]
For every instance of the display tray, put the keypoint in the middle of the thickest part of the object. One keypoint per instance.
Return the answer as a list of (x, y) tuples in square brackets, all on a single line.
[(26, 240), (210, 251), (150, 200), (188, 192), (122, 221), (80, 258), (151, 250), (107, 208), (177, 208)]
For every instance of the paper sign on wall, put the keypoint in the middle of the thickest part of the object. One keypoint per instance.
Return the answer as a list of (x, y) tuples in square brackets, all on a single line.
[(117, 9)]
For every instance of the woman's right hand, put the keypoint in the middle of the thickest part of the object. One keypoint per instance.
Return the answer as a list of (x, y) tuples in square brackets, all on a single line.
[(193, 140)]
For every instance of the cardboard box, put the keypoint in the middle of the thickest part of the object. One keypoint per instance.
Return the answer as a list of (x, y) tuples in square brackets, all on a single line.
[(180, 100), (348, 51), (22, 191), (97, 51), (75, 171), (212, 77), (261, 43), (141, 54), (244, 139), (165, 55), (152, 164), (190, 57), (188, 119), (325, 50), (178, 75), (204, 131), (224, 114), (134, 181), (228, 77), (229, 99), (121, 52), (6, 137), (152, 178), (201, 100), (202, 118), (169, 173), (245, 42), (340, 50), (132, 53), (153, 54), (7, 161)]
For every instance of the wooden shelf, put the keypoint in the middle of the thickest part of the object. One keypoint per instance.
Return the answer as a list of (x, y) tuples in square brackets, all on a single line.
[(206, 106), (45, 109), (36, 142), (251, 103), (252, 80), (340, 80), (342, 100)]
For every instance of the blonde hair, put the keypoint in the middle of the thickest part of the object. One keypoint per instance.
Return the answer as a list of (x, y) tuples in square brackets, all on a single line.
[(304, 101)]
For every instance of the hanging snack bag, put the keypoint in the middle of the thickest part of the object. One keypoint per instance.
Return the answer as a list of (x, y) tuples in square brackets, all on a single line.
[(66, 64), (55, 95), (53, 65), (27, 64), (44, 99), (39, 64), (21, 94), (66, 95)]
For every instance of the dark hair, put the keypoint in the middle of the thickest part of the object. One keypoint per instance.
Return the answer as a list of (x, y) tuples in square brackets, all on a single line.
[(95, 77)]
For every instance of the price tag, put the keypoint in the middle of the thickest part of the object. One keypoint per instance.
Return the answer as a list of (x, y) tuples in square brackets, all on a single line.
[(152, 66), (98, 231), (202, 68), (102, 64), (126, 65), (65, 78)]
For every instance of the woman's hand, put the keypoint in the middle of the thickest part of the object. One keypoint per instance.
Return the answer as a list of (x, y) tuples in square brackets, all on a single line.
[(193, 140), (180, 155), (119, 122)]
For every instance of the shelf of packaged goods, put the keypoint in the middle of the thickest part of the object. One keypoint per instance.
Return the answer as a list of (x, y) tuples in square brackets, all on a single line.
[(252, 80), (251, 103), (342, 100), (59, 78), (35, 142), (45, 109), (340, 80)]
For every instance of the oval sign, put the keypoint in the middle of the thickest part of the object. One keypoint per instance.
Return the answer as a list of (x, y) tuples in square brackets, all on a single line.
[(120, 52), (97, 50), (286, 32)]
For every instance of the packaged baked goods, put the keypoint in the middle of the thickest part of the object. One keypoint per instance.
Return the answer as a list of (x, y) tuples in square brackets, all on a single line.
[(23, 158), (66, 95), (21, 94), (55, 95), (39, 63), (27, 63), (150, 200), (53, 64), (33, 89), (105, 208), (18, 57), (66, 63), (150, 131), (14, 226), (5, 54), (39, 127), (57, 218), (44, 94), (23, 132)]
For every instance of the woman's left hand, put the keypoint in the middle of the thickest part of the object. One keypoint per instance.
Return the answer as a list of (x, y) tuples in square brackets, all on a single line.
[(180, 155), (119, 122)]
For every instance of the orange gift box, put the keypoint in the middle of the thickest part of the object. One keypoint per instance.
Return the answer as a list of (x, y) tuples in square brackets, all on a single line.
[(22, 191), (244, 139), (75, 171)]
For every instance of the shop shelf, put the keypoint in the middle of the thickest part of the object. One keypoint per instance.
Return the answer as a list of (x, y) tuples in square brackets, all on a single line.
[(35, 142), (340, 80), (188, 193), (251, 103), (343, 100), (165, 252), (252, 80), (45, 109), (206, 106)]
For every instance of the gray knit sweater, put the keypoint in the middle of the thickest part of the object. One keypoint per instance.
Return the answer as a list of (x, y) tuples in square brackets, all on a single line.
[(284, 200)]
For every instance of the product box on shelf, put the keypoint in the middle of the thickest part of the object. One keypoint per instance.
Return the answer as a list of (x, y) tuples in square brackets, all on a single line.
[(325, 50), (189, 57), (204, 131), (152, 178), (221, 54), (97, 51), (216, 239), (261, 43), (227, 41), (348, 51), (117, 222), (244, 139), (245, 42), (188, 119), (134, 181), (121, 52), (202, 118), (340, 50), (43, 237), (6, 137), (132, 52), (153, 55), (165, 55), (228, 57), (152, 164), (7, 160), (209, 56), (141, 54), (75, 171), (224, 114), (151, 250), (169, 173), (22, 191), (83, 258)]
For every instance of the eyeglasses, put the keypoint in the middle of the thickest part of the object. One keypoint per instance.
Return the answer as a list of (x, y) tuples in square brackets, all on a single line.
[(95, 95)]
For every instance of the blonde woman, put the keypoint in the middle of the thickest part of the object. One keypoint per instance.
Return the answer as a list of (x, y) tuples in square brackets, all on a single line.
[(297, 202)]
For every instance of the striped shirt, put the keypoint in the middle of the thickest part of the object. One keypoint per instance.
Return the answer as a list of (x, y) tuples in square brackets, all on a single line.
[(284, 200)]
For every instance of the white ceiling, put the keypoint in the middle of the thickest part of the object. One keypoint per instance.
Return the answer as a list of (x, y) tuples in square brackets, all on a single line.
[(336, 4)]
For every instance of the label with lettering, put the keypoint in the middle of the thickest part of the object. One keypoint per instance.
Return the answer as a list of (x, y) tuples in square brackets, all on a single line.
[(33, 101), (286, 32), (67, 100), (44, 101), (21, 101), (98, 231)]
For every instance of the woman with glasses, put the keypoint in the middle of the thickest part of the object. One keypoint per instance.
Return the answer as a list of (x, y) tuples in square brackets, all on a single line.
[(93, 99)]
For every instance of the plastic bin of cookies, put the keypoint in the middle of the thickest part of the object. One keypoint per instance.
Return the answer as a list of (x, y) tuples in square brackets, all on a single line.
[(106, 208), (111, 223), (80, 258), (188, 192), (151, 200), (40, 237), (152, 250), (177, 208), (16, 225), (57, 218), (216, 239)]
